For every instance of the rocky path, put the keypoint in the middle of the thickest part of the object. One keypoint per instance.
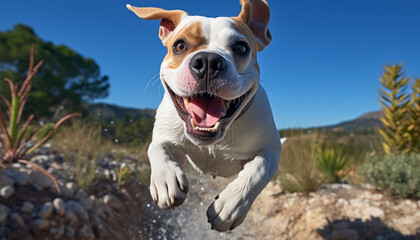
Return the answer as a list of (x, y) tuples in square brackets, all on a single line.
[(30, 208)]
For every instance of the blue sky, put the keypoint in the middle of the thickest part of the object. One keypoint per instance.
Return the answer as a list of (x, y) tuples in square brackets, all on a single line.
[(322, 67)]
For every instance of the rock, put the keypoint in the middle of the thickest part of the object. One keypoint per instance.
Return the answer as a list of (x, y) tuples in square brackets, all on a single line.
[(77, 209), (3, 213), (59, 206), (27, 207), (315, 218), (88, 202), (17, 219), (370, 212), (40, 179), (58, 232), (86, 233), (112, 201), (7, 191), (80, 194), (40, 159), (42, 224), (70, 232), (344, 234), (69, 189), (407, 225), (5, 180), (71, 217), (46, 210), (21, 178)]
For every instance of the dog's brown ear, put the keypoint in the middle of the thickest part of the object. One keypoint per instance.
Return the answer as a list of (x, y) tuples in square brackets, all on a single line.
[(169, 18), (256, 14)]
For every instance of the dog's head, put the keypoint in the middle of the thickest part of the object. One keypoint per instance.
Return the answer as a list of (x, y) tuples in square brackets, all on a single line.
[(211, 70)]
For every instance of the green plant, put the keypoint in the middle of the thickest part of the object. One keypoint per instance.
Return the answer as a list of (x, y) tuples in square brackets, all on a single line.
[(82, 146), (395, 102), (123, 173), (298, 164), (332, 163), (397, 174), (15, 136)]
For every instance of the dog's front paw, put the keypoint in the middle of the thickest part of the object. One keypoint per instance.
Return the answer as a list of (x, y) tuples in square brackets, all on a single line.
[(168, 186), (228, 210)]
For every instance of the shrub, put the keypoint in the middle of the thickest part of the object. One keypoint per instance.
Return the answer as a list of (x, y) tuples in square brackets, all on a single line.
[(397, 174), (332, 163), (298, 164)]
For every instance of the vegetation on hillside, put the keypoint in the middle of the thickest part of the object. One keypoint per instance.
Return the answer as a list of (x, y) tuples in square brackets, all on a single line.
[(66, 81)]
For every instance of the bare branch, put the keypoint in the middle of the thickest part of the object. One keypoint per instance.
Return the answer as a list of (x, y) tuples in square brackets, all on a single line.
[(41, 169)]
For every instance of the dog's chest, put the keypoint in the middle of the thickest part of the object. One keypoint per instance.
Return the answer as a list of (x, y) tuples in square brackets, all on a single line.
[(219, 160)]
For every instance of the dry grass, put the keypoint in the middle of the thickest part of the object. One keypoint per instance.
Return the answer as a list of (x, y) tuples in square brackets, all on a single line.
[(82, 146), (298, 164)]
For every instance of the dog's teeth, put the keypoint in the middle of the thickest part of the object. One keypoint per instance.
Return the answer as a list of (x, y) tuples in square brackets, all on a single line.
[(197, 128), (186, 101), (193, 124), (215, 128)]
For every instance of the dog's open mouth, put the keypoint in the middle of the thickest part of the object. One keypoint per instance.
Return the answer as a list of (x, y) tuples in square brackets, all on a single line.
[(205, 113)]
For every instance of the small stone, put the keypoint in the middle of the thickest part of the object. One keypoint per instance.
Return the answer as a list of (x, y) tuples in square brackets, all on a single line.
[(20, 178), (59, 206), (17, 219), (3, 213), (57, 232), (46, 210), (77, 209), (70, 232), (86, 233), (80, 194), (71, 217), (112, 201), (40, 179), (39, 159), (42, 224), (7, 191), (5, 180), (69, 189), (27, 207)]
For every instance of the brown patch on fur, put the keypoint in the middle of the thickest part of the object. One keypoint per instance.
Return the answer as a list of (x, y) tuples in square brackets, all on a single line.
[(194, 38)]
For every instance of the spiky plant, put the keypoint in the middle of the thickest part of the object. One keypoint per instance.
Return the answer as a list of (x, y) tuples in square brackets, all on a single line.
[(332, 164), (14, 135), (395, 102), (414, 117)]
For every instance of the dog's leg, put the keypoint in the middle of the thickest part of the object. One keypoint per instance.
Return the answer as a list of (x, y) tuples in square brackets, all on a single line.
[(168, 183), (232, 204)]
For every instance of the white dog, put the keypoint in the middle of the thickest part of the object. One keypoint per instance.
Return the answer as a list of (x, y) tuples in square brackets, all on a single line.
[(214, 112)]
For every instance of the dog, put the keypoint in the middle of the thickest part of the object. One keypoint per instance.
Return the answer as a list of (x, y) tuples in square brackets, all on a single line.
[(214, 113)]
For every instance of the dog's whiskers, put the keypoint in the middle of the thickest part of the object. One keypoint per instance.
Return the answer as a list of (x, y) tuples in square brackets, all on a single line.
[(149, 82)]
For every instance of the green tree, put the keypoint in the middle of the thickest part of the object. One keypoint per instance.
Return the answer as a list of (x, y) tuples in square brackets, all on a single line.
[(65, 82), (414, 117)]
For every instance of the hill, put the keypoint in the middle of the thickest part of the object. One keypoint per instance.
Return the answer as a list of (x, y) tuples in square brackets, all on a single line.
[(110, 112), (366, 122)]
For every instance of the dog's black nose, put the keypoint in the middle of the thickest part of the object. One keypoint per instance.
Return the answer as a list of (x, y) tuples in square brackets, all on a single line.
[(207, 66)]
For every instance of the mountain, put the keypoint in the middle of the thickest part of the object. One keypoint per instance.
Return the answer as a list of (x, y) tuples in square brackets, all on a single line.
[(368, 121), (110, 112)]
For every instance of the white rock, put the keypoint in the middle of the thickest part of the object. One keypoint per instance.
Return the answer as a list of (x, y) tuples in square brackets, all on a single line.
[(59, 206), (7, 191), (69, 189), (27, 207), (369, 212), (343, 202)]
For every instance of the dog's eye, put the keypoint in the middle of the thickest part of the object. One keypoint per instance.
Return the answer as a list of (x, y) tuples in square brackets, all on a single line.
[(241, 48), (180, 46)]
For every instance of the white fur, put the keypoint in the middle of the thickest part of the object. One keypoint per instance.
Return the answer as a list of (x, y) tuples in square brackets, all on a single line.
[(250, 148)]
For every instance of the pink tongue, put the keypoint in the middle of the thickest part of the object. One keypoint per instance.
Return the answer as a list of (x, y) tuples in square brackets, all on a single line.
[(206, 112)]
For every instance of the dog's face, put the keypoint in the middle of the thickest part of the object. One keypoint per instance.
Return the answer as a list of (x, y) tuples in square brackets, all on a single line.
[(211, 70)]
